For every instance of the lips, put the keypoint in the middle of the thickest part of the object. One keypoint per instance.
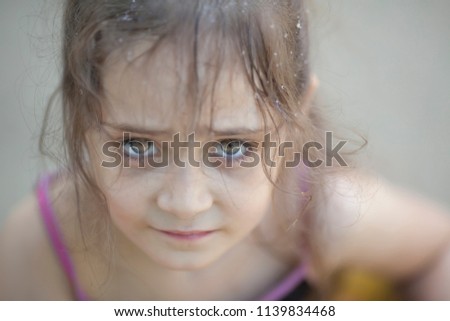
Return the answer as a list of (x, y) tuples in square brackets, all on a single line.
[(186, 235)]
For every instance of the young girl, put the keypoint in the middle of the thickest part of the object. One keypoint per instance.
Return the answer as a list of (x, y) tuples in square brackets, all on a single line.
[(198, 169)]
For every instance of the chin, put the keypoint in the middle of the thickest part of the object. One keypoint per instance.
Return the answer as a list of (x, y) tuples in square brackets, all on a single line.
[(186, 261)]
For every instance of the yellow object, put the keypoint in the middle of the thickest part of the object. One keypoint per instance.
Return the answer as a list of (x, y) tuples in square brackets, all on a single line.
[(353, 284)]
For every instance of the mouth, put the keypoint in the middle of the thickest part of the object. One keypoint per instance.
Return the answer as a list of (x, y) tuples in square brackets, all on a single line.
[(187, 235)]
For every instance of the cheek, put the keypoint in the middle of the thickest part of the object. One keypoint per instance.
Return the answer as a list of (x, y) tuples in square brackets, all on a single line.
[(124, 209), (129, 196), (249, 202), (247, 186)]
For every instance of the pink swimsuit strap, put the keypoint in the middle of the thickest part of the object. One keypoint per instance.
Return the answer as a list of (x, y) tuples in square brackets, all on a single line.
[(54, 233), (287, 285)]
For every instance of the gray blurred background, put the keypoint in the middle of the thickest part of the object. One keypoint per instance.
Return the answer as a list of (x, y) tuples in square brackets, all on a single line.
[(383, 65)]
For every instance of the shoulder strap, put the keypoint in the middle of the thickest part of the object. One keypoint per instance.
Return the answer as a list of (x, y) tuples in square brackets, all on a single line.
[(51, 226), (287, 285)]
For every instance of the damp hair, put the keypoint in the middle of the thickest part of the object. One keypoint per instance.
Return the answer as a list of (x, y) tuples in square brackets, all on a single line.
[(269, 39)]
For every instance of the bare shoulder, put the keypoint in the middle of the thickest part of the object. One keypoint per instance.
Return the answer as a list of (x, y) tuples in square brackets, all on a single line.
[(28, 267), (369, 223)]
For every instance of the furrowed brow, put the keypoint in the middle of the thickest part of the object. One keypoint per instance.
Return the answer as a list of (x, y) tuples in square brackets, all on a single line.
[(136, 129)]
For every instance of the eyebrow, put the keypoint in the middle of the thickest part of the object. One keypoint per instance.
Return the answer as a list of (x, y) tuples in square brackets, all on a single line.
[(136, 129), (219, 132)]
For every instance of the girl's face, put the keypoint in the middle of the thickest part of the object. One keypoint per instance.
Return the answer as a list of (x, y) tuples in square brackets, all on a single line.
[(185, 215)]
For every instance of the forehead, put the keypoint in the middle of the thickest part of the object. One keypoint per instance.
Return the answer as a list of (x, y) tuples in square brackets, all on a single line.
[(158, 91)]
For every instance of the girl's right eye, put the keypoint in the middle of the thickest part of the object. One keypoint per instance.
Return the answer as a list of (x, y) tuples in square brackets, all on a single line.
[(137, 148)]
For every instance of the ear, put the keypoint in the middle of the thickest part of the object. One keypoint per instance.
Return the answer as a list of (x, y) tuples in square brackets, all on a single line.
[(309, 94)]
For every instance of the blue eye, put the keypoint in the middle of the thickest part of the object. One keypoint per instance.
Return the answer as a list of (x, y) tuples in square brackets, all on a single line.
[(233, 149), (137, 148)]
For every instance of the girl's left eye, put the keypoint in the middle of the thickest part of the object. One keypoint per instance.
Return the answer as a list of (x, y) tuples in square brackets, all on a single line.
[(136, 148), (233, 149)]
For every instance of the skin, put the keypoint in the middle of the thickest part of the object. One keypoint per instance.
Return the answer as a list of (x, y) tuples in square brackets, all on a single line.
[(367, 223), (374, 226)]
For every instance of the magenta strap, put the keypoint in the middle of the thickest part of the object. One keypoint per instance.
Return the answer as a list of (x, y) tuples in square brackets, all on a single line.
[(287, 285), (53, 231)]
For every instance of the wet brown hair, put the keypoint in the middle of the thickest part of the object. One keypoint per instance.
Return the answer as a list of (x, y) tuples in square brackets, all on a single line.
[(270, 38)]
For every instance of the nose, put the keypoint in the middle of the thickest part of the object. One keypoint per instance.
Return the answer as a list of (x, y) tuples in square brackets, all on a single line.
[(185, 193)]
